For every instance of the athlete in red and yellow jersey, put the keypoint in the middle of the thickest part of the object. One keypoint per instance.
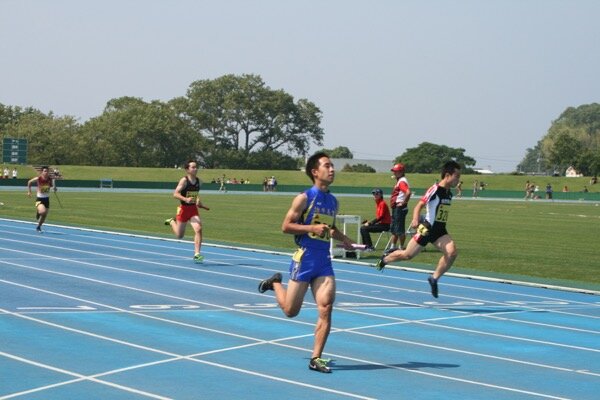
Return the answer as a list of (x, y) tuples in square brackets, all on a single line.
[(187, 192), (42, 200)]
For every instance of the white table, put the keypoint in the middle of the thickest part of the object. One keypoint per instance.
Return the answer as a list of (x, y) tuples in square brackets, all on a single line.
[(343, 221)]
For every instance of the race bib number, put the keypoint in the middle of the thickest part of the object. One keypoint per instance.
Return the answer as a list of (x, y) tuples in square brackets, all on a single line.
[(193, 195), (322, 219), (442, 214)]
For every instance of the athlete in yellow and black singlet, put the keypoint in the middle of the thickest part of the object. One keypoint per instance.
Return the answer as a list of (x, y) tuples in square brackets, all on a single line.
[(188, 194)]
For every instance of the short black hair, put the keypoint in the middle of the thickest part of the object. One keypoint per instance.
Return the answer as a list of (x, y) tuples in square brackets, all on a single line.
[(313, 163), (187, 164), (449, 168)]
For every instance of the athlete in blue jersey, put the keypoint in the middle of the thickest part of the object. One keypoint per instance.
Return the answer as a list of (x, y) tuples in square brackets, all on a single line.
[(311, 219), (432, 229)]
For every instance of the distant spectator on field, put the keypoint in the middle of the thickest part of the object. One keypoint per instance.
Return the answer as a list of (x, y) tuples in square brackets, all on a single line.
[(585, 189), (265, 184), (274, 186), (476, 188), (14, 173), (222, 187), (565, 189), (594, 180), (5, 175), (380, 223), (529, 188), (399, 204), (549, 191), (459, 189)]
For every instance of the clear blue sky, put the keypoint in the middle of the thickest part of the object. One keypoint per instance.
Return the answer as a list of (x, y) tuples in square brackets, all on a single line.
[(488, 76)]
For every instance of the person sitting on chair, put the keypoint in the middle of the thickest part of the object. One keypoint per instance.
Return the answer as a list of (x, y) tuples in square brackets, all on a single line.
[(380, 223)]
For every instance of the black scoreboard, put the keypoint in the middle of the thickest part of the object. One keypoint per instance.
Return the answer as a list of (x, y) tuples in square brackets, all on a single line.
[(14, 151)]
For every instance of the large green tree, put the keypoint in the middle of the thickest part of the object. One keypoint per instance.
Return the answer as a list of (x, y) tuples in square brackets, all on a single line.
[(533, 160), (10, 116), (428, 158), (339, 152), (50, 138), (135, 133), (232, 121), (240, 115), (574, 140)]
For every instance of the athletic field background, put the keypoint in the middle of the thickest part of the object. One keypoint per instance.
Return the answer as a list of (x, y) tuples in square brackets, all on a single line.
[(550, 242), (297, 177)]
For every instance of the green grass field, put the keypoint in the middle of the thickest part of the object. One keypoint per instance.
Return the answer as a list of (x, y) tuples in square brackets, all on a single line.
[(554, 243), (383, 180)]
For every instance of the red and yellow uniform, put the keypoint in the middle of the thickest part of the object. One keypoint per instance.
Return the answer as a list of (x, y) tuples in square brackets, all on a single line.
[(185, 211)]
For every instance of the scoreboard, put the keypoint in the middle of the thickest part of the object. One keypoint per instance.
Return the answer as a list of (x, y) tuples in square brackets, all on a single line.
[(14, 151)]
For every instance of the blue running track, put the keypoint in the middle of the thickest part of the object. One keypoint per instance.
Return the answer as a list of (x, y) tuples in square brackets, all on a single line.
[(87, 314)]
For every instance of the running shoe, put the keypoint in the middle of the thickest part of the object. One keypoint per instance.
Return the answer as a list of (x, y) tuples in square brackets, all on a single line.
[(319, 364), (380, 265), (39, 229), (434, 286), (267, 284), (168, 221), (198, 258)]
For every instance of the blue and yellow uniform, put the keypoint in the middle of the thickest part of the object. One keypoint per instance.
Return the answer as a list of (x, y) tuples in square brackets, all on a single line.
[(313, 258)]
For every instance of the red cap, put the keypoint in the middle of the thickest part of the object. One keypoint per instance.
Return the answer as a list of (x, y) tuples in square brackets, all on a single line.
[(398, 168)]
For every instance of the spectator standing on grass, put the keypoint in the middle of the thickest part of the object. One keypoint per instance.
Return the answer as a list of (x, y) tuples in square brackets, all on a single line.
[(222, 187), (432, 229), (475, 188), (549, 191), (188, 194), (399, 203), (311, 219), (529, 188), (381, 222), (42, 199)]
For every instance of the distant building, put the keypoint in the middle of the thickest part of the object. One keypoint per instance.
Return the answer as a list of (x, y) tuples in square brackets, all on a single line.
[(572, 173), (377, 165), (484, 171)]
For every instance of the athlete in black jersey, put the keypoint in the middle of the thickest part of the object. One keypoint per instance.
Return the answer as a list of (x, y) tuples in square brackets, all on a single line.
[(432, 229), (187, 192)]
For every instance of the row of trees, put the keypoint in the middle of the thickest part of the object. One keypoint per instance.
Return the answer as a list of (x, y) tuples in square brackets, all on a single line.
[(425, 158), (239, 122), (230, 122), (572, 140)]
